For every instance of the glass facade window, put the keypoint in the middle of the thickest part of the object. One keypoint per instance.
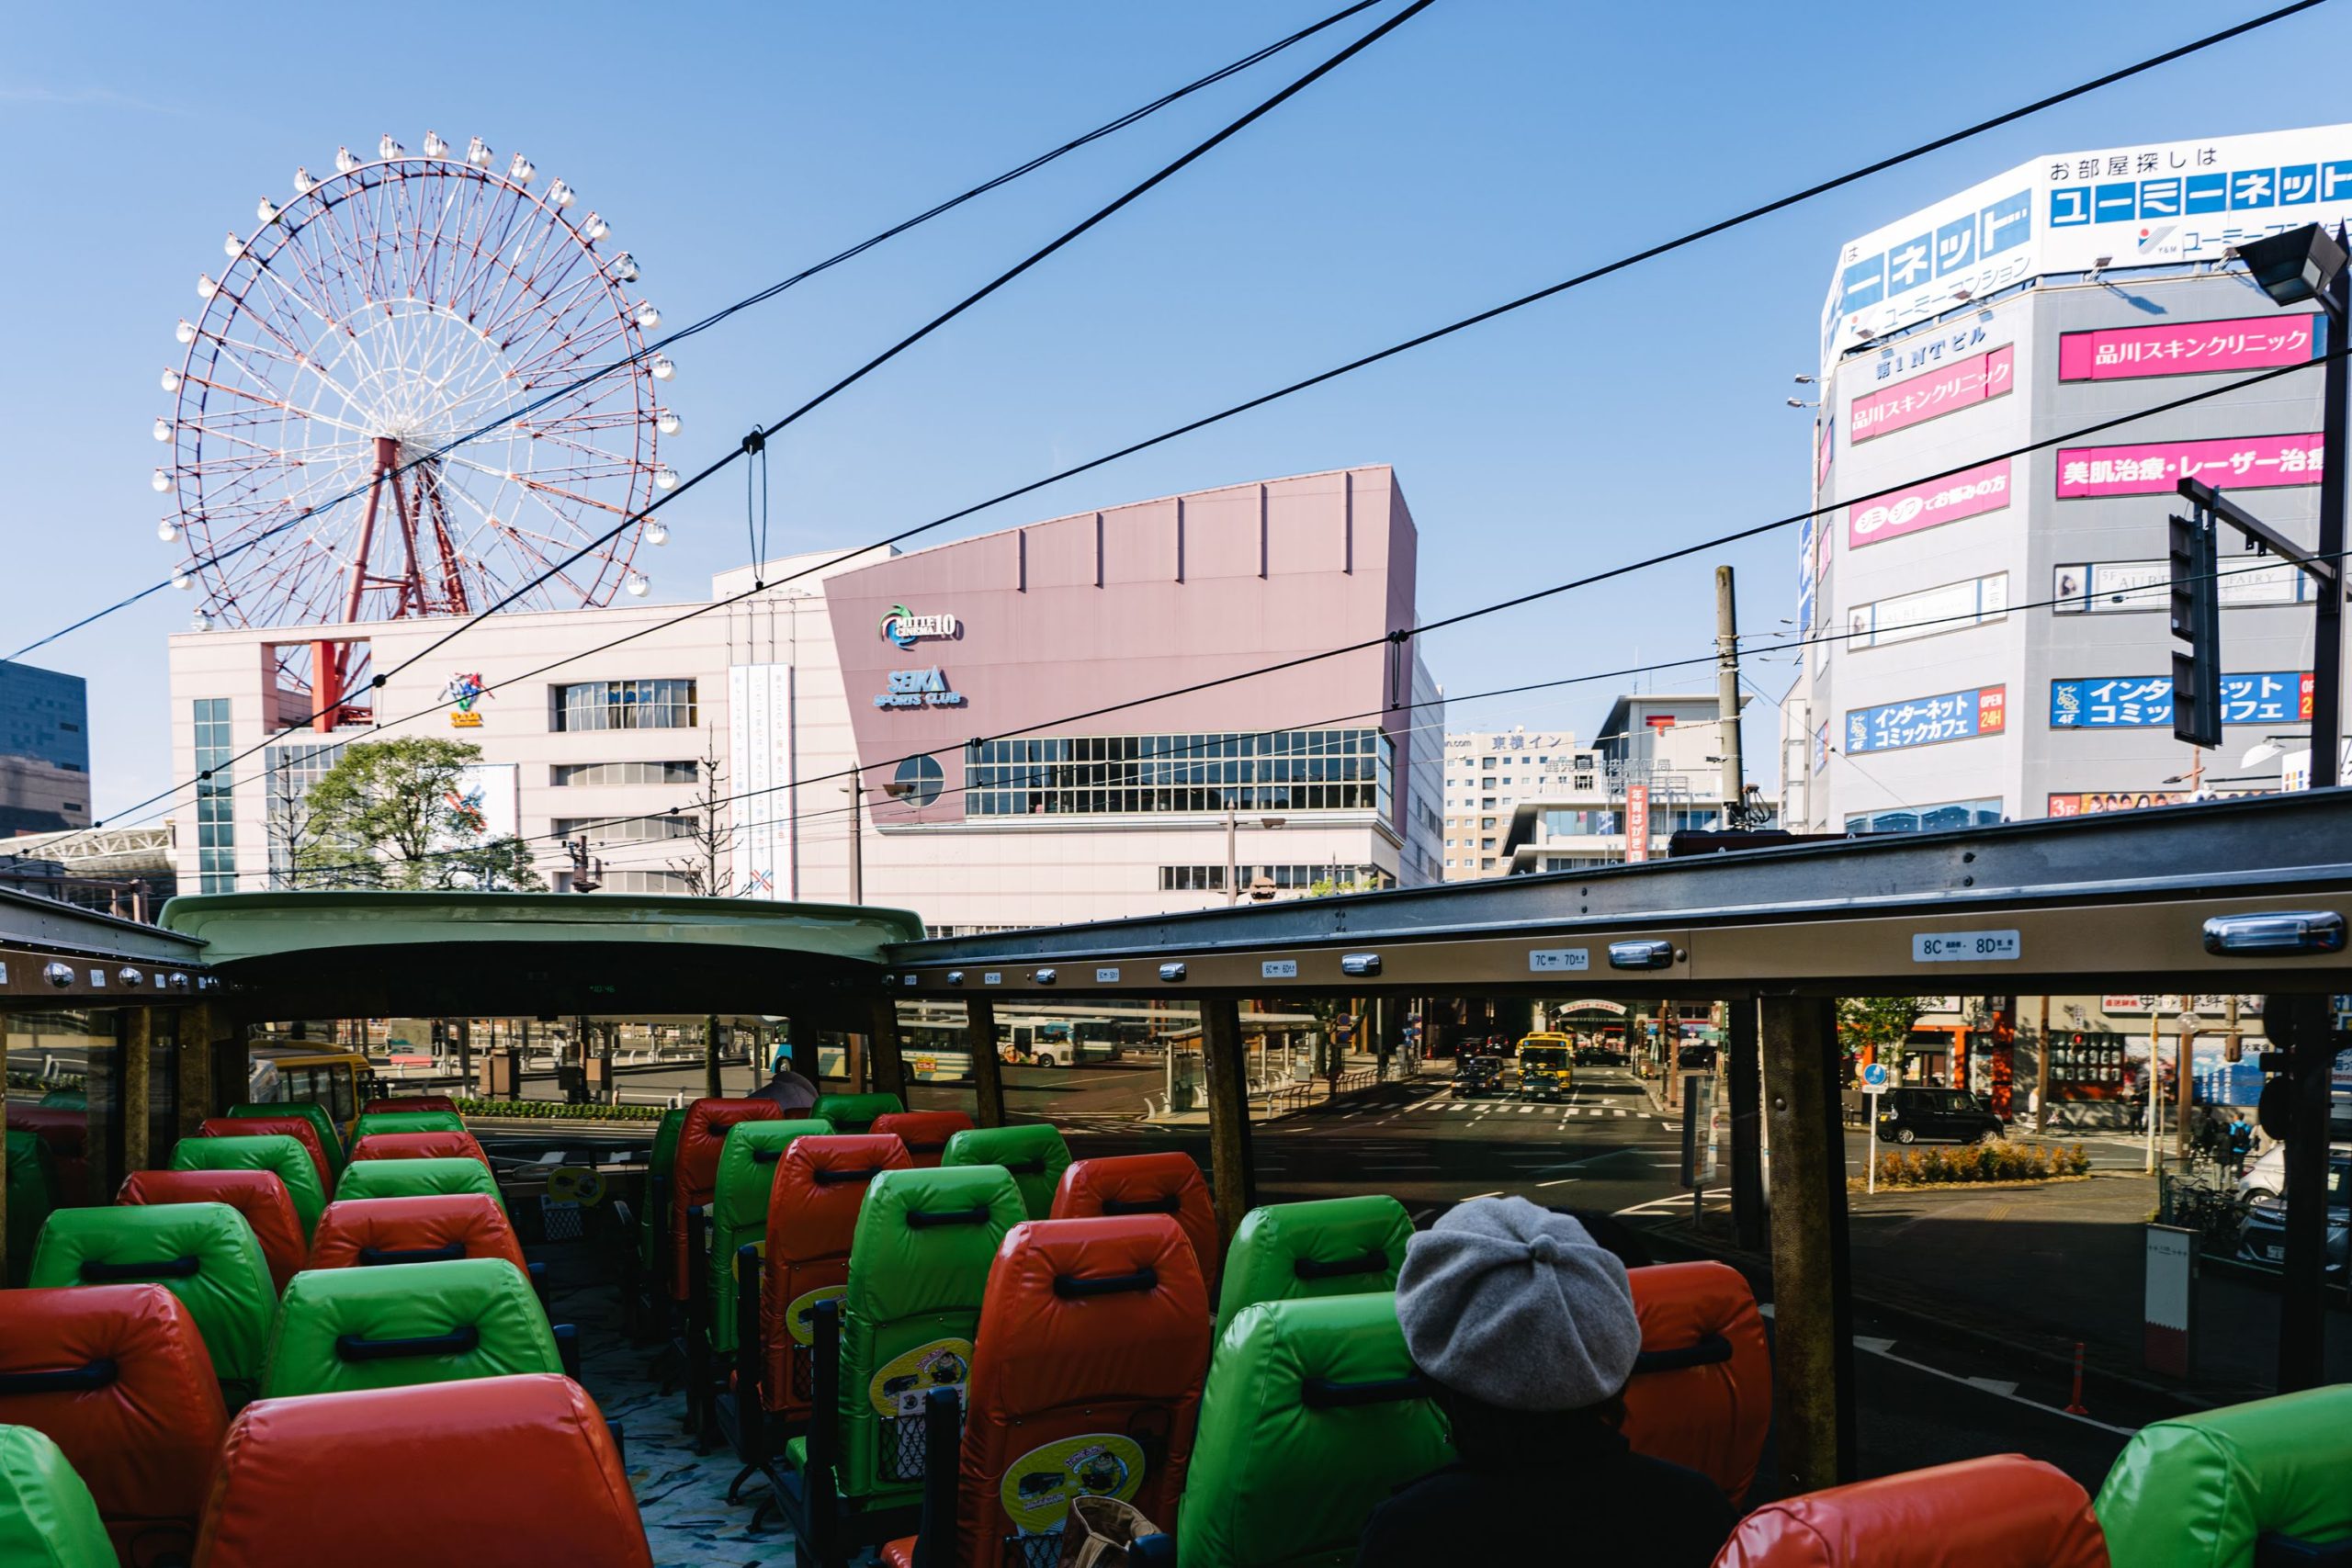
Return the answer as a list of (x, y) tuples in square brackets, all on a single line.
[(581, 775), (918, 781), (293, 768), (624, 705), (1306, 770), (633, 830), (1927, 819), (216, 806), (1288, 878), (1566, 823)]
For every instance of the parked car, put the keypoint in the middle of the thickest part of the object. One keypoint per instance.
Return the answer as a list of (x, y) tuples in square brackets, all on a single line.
[(1908, 1115), (1474, 1078), (2262, 1238)]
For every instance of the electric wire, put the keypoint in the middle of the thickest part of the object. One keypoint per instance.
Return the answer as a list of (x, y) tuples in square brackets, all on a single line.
[(1692, 237), (726, 311)]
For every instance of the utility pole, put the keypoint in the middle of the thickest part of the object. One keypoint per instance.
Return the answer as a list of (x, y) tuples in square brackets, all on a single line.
[(1735, 785), (2155, 1080), (2184, 1086), (2042, 1074), (1232, 872), (857, 840)]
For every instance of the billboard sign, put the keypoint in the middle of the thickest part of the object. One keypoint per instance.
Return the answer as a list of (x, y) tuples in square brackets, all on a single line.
[(2107, 587), (2132, 702), (1637, 823), (2189, 348), (1969, 494), (1927, 721), (2157, 468), (1945, 389), (1951, 607), (2154, 203)]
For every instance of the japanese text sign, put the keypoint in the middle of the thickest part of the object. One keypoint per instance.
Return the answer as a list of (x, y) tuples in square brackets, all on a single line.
[(2128, 702), (1898, 512), (2157, 468), (2187, 348), (1637, 822), (1927, 721), (1943, 390)]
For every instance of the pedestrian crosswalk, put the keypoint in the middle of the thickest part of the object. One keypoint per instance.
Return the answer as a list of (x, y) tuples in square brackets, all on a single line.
[(1506, 1108)]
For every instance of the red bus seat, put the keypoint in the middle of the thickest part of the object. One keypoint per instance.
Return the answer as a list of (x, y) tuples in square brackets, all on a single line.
[(812, 1213), (695, 1176), (925, 1133), (2002, 1511), (543, 1483), (367, 1232), (405, 1103), (117, 1377), (65, 1131), (1086, 1380), (259, 1195), (298, 1128), (420, 1145), (1701, 1391), (1166, 1183)]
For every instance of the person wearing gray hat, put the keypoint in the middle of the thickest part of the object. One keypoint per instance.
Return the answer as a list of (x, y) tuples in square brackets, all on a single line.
[(1525, 1328)]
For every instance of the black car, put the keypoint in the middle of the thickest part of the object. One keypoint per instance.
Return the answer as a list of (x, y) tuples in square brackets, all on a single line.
[(1908, 1115), (1478, 1076), (2262, 1238)]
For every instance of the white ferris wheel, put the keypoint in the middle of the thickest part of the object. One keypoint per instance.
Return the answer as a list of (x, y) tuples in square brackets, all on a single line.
[(381, 312)]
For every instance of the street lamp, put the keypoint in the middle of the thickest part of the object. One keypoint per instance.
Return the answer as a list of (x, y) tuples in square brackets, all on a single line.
[(2268, 748), (2299, 265)]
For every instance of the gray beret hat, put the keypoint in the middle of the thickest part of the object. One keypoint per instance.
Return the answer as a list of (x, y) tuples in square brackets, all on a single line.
[(1516, 1305)]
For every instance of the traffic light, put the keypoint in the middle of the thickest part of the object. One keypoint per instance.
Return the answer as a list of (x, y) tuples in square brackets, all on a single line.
[(2195, 620)]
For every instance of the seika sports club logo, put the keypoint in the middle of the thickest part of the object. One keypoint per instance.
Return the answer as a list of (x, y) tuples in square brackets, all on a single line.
[(903, 628)]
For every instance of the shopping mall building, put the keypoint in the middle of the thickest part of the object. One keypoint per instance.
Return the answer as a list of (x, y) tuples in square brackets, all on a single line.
[(964, 687), (1994, 642)]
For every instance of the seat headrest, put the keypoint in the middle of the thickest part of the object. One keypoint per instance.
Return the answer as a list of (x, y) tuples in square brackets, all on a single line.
[(48, 1519), (407, 1122), (415, 1178), (1033, 1153), (542, 1435), (924, 1239), (821, 1185), (259, 1195), (204, 1253), (1078, 1308), (925, 1133), (339, 1329), (1323, 1247), (2222, 1478), (76, 1339), (705, 1133), (2001, 1511), (376, 1232), (401, 1104), (438, 1144), (748, 1163), (856, 1112)]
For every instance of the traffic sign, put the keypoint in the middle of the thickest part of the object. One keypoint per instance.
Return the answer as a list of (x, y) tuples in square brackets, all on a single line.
[(1874, 1079)]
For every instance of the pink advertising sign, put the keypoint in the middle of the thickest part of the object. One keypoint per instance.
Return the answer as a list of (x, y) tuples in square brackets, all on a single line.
[(2231, 462), (2189, 348), (1944, 390), (1898, 512)]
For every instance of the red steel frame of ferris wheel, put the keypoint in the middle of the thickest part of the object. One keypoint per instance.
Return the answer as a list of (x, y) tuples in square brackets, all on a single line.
[(453, 577)]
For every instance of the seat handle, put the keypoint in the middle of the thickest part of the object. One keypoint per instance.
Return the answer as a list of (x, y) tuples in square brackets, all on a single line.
[(99, 1270), (1373, 1262), (1166, 1203), (60, 1380), (850, 1173), (377, 1256), (457, 1341), (1328, 1393), (1023, 1166), (1705, 1351), (926, 1219), (1078, 1286), (767, 1153)]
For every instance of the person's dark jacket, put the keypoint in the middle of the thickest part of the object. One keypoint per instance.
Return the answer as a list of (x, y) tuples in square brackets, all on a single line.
[(793, 1094), (1578, 1495)]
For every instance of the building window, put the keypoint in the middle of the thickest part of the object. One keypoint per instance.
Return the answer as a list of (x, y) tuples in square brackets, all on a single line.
[(216, 814), (1311, 769), (293, 768), (624, 705), (626, 830), (579, 775), (1567, 822), (644, 882), (1487, 803), (1927, 819), (1287, 878), (1486, 821), (918, 781), (1488, 863)]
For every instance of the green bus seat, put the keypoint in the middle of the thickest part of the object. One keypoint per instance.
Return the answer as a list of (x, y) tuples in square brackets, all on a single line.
[(406, 1122), (1033, 1152), (330, 1138), (2203, 1489), (853, 1113), (415, 1178), (263, 1151), (32, 1178), (203, 1253), (1327, 1247), (47, 1517), (739, 1210), (341, 1329), (657, 1170), (1312, 1416)]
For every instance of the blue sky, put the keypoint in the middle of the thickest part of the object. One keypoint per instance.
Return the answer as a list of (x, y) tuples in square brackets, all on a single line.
[(1488, 147)]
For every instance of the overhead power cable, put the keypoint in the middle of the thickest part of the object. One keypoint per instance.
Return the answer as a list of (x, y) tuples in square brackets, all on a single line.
[(724, 313), (1692, 237), (756, 441)]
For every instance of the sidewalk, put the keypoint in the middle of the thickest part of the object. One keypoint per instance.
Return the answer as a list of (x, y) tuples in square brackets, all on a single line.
[(2036, 1269), (1416, 1076)]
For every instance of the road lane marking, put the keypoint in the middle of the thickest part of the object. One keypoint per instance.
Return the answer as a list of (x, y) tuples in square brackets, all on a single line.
[(1561, 1182), (1476, 1196)]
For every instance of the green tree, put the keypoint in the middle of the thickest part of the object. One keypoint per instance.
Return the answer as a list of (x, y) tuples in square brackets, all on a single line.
[(1881, 1023), (394, 814)]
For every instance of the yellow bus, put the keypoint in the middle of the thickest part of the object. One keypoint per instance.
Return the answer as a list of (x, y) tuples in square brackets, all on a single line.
[(1547, 1066), (332, 1077)]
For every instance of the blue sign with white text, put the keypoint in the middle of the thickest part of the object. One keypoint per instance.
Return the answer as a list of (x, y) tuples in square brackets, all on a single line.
[(2127, 702)]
